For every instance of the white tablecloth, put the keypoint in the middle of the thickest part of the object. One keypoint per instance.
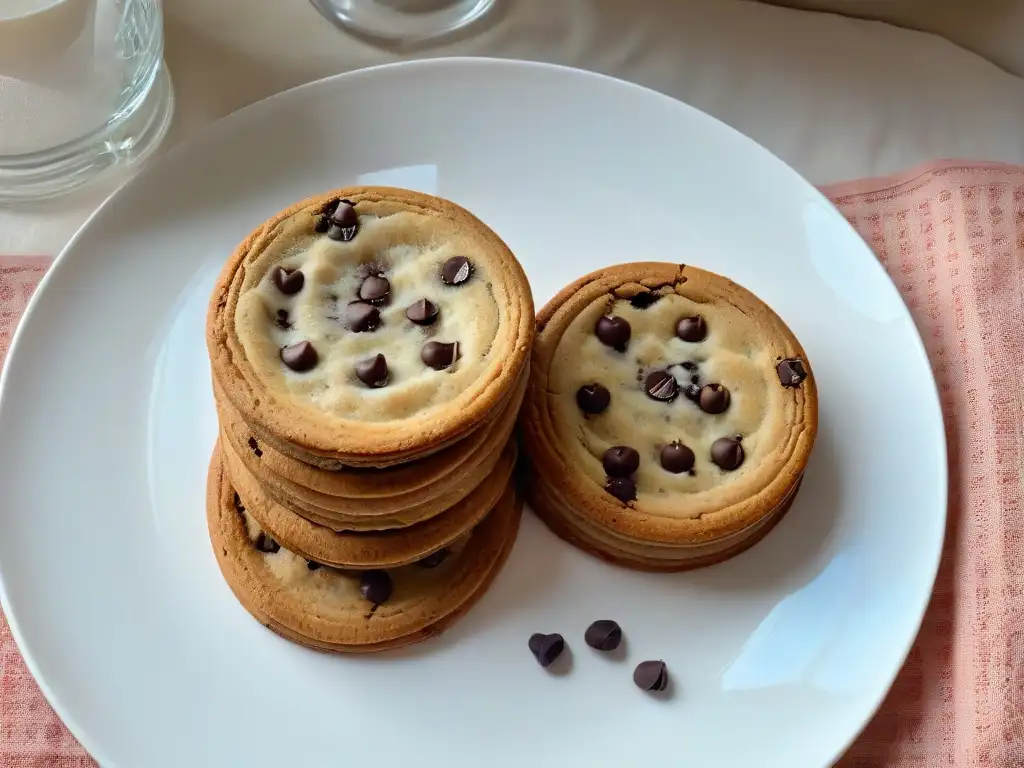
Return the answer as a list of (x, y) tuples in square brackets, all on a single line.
[(835, 97)]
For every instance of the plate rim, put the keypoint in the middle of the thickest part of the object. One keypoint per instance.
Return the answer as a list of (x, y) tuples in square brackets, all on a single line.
[(225, 123)]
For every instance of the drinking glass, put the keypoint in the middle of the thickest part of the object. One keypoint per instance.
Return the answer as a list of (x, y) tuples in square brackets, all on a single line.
[(404, 21), (83, 91)]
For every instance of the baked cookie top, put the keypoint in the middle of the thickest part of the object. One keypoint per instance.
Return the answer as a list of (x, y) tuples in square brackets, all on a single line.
[(358, 318), (672, 390)]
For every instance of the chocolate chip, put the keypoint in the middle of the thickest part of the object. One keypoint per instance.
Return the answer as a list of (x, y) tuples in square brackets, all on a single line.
[(375, 289), (255, 446), (329, 207), (324, 222), (300, 357), (603, 635), (546, 648), (593, 398), (727, 453), (439, 355), (620, 461), (362, 317), (343, 222), (266, 544), (288, 281), (643, 300), (714, 398), (622, 488), (661, 385), (677, 458), (613, 332), (375, 586), (238, 505), (456, 270), (312, 565), (434, 559), (791, 372), (422, 312), (692, 329), (282, 321), (651, 676), (373, 372)]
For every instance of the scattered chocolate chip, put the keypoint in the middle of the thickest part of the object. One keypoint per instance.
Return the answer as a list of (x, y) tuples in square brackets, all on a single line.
[(593, 398), (692, 329), (690, 366), (691, 391), (677, 458), (375, 289), (651, 676), (661, 385), (343, 222), (288, 281), (312, 565), (546, 648), (434, 559), (255, 446), (422, 312), (373, 372), (265, 543), (714, 398), (622, 488), (362, 317), (456, 270), (620, 461), (300, 357), (613, 332), (643, 300), (375, 586), (727, 453), (791, 372), (439, 355), (603, 635), (282, 320)]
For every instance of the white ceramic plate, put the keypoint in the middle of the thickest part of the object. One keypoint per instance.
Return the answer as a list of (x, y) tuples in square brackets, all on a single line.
[(779, 656)]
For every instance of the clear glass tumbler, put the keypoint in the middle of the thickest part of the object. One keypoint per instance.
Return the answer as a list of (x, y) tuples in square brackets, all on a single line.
[(83, 91), (404, 22)]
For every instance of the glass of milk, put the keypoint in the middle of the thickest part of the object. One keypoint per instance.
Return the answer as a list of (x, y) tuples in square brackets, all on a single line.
[(83, 92), (404, 22)]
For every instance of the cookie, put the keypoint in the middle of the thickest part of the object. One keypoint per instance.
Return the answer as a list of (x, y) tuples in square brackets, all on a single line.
[(669, 417), (414, 482), (377, 514), (372, 549), (353, 611), (369, 326)]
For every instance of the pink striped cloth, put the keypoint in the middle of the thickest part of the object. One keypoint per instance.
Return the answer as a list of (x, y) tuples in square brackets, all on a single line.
[(952, 237)]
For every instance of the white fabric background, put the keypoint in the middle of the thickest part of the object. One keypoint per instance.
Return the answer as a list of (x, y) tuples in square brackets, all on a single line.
[(993, 28), (835, 97)]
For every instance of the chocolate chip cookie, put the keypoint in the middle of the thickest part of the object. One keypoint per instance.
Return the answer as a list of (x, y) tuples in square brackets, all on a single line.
[(403, 486), (369, 326), (369, 548), (669, 417), (353, 610)]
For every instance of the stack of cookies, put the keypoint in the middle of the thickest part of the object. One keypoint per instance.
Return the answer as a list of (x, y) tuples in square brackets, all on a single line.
[(369, 350), (669, 418)]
